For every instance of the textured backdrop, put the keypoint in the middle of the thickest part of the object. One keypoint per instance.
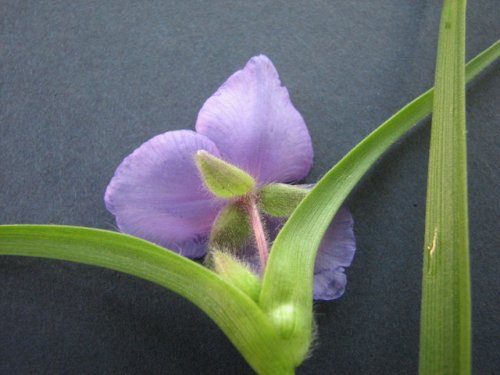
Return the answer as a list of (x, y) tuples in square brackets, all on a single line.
[(83, 83)]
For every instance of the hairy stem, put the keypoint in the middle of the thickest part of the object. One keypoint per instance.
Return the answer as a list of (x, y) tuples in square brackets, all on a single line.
[(258, 231)]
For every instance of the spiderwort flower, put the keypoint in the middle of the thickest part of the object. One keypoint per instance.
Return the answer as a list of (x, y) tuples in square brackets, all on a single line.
[(162, 193)]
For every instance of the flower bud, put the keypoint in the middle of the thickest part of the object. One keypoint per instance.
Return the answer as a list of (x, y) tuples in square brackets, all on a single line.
[(223, 179)]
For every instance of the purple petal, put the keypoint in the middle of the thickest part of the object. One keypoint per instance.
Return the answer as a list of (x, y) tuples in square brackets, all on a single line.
[(335, 253), (256, 127), (157, 194)]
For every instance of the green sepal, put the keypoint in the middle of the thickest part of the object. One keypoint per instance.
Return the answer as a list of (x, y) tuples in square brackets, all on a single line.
[(223, 179), (280, 200), (231, 229), (236, 273)]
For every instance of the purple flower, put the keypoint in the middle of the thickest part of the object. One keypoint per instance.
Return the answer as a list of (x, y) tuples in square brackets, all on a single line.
[(157, 192)]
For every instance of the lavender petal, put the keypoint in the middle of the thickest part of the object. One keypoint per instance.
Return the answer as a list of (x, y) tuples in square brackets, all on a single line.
[(255, 125), (157, 194)]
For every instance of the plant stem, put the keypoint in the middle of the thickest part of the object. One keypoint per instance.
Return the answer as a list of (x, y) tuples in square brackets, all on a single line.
[(258, 231)]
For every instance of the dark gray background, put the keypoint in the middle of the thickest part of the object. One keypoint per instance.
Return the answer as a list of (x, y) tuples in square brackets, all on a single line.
[(83, 83)]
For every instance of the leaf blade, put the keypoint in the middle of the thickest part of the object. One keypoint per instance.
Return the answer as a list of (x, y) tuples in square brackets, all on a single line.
[(445, 322), (239, 318)]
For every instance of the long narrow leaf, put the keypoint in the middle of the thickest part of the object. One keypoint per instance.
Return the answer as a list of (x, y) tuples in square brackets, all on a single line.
[(288, 280), (445, 336), (235, 313)]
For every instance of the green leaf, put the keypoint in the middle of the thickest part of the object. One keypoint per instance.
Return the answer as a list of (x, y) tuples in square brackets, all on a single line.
[(281, 200), (445, 321), (288, 280), (234, 312), (223, 179)]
